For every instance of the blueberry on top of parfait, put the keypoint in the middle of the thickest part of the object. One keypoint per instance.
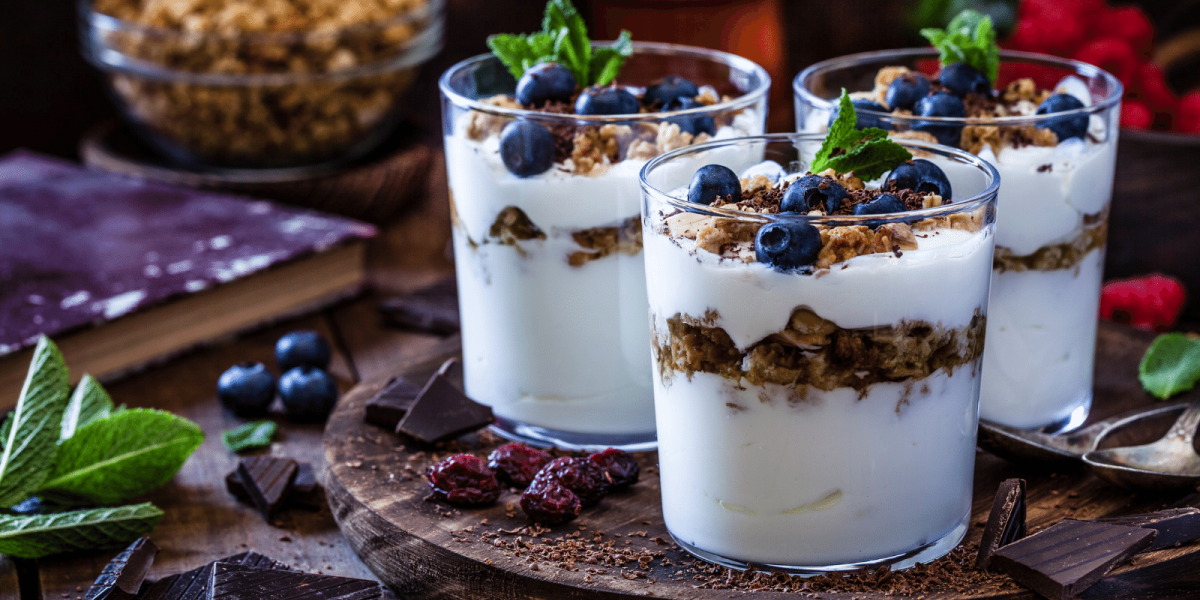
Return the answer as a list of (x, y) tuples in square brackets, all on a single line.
[(922, 176), (1064, 127), (526, 148), (687, 124), (713, 182), (940, 104), (880, 205), (670, 88), (905, 90), (863, 118), (787, 246), (962, 79), (606, 101), (545, 82), (813, 192)]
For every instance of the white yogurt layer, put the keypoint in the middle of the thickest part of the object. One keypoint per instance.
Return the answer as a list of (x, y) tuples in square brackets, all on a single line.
[(544, 343), (837, 477)]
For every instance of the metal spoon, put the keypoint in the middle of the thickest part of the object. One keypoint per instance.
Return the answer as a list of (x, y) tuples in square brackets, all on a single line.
[(1171, 462), (1022, 445)]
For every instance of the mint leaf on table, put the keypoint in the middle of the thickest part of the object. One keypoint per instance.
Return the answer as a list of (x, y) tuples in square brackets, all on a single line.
[(129, 453), (867, 152), (35, 536), (88, 403), (563, 40), (1171, 365), (256, 434), (30, 443), (969, 38)]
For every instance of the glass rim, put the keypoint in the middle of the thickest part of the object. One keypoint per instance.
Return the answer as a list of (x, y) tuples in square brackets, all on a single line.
[(801, 92), (733, 61), (975, 201), (93, 25)]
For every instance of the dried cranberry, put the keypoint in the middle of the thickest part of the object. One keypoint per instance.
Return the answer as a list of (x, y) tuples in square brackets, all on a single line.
[(549, 502), (587, 479), (464, 479), (621, 466), (516, 464)]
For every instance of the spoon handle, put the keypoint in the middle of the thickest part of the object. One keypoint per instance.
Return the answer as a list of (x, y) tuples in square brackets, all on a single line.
[(1184, 428)]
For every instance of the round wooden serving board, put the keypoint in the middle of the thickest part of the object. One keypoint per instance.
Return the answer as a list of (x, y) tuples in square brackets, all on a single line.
[(427, 549)]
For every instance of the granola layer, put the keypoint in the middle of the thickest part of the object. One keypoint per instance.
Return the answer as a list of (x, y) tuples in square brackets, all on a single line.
[(1054, 257)]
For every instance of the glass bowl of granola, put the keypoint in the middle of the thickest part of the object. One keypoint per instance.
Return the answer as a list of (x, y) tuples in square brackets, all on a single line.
[(260, 83)]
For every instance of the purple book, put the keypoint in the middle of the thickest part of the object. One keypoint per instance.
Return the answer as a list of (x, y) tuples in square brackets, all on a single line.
[(121, 272)]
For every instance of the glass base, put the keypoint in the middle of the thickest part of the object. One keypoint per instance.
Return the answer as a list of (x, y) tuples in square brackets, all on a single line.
[(926, 553), (1073, 420), (572, 440)]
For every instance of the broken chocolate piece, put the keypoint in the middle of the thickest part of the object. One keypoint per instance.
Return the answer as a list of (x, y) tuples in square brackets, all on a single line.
[(1067, 558), (392, 402), (234, 582), (304, 493), (266, 479), (123, 575), (193, 585), (1006, 522), (442, 411), (433, 309), (1174, 526)]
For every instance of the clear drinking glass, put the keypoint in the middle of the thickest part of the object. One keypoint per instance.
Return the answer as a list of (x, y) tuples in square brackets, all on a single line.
[(823, 420), (551, 282), (1053, 226)]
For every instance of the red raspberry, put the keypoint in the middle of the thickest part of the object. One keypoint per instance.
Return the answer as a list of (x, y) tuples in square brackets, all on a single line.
[(1187, 120), (1052, 29), (1152, 302), (464, 479), (1130, 24), (587, 479), (516, 464), (549, 502), (1135, 115), (621, 466), (1113, 55), (1152, 89)]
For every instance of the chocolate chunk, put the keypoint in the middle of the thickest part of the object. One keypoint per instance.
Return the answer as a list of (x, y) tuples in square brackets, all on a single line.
[(1067, 558), (193, 585), (123, 575), (304, 493), (390, 405), (234, 582), (267, 479), (1174, 526), (442, 411), (433, 309), (1006, 523)]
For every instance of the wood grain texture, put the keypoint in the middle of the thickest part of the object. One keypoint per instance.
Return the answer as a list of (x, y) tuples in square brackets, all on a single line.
[(10, 588), (419, 546)]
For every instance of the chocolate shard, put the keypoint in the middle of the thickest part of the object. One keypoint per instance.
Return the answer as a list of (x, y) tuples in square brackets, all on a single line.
[(392, 402), (442, 411), (304, 493), (122, 577), (266, 480), (1067, 558), (234, 582), (433, 309), (194, 584), (1006, 522), (1174, 526)]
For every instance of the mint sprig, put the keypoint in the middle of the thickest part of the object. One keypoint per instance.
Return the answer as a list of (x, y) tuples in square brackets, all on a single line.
[(1171, 365), (31, 440), (868, 152), (969, 38), (564, 40), (88, 403), (35, 536)]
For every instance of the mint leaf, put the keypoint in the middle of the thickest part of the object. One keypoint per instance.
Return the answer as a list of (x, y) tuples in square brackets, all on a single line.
[(31, 441), (563, 40), (971, 38), (35, 536), (1171, 365), (124, 455), (868, 152), (88, 403), (607, 61), (256, 434), (514, 51), (571, 46)]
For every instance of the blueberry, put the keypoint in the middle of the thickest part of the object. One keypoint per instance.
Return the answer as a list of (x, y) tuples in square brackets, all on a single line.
[(606, 101), (714, 181), (813, 191), (308, 394), (863, 119), (880, 205), (526, 148), (940, 104), (787, 246), (300, 348), (922, 176), (693, 125), (670, 88), (1063, 127), (247, 389), (962, 79), (905, 90), (543, 82)]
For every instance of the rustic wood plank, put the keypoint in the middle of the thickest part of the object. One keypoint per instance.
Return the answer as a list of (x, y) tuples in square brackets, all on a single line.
[(10, 588)]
